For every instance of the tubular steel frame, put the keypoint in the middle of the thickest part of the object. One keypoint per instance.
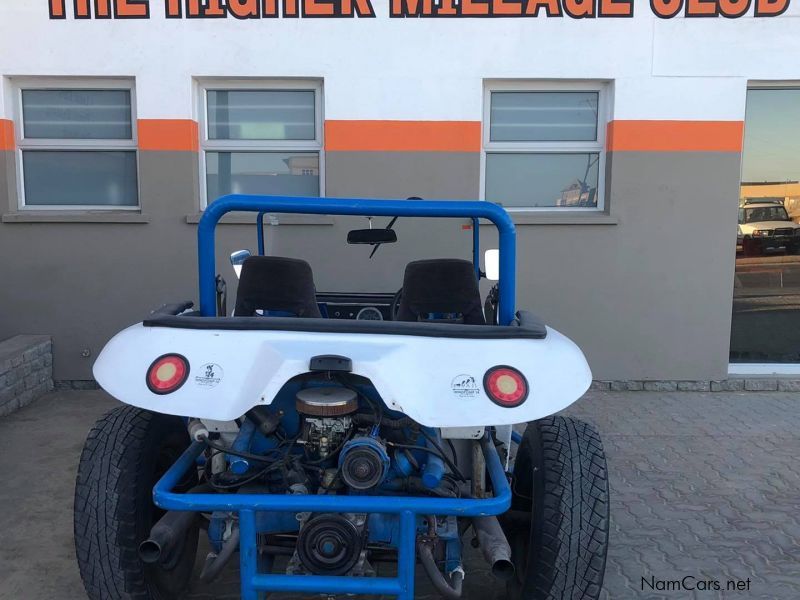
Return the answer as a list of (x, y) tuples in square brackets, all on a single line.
[(407, 507)]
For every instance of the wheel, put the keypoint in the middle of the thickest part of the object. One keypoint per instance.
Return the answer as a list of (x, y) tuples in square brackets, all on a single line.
[(125, 454), (559, 518)]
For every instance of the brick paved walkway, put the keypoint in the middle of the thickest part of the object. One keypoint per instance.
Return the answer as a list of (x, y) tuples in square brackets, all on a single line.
[(703, 485)]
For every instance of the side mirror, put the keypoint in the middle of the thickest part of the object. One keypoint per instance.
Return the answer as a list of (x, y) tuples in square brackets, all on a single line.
[(492, 264), (237, 260), (372, 237)]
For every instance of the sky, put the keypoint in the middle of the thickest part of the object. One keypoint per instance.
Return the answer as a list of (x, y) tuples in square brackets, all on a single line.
[(772, 135)]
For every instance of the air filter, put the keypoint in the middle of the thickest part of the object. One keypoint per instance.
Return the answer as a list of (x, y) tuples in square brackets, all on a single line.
[(327, 401)]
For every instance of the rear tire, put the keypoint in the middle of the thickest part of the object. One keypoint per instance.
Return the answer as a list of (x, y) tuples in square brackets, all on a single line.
[(559, 522), (125, 454)]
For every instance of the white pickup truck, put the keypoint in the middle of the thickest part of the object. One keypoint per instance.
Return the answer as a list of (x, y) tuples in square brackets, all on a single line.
[(766, 226)]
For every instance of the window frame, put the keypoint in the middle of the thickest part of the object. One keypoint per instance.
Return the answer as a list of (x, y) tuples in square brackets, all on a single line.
[(20, 84), (316, 145), (598, 146), (735, 367)]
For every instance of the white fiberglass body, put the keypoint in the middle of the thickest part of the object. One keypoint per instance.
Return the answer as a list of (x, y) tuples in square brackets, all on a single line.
[(436, 381)]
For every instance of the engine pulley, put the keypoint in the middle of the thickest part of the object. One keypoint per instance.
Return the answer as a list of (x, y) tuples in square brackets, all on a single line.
[(329, 544), (364, 463)]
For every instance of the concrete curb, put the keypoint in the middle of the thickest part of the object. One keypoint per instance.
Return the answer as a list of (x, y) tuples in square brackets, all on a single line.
[(736, 384)]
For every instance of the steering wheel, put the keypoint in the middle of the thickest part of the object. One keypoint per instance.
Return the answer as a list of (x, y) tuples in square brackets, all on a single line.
[(395, 306)]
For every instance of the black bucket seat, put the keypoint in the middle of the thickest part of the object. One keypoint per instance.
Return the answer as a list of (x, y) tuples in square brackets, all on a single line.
[(441, 290), (273, 284)]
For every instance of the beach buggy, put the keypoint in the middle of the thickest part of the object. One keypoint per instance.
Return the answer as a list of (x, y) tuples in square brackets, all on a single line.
[(338, 442)]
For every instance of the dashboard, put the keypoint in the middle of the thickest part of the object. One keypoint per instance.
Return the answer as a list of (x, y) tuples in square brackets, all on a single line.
[(360, 306)]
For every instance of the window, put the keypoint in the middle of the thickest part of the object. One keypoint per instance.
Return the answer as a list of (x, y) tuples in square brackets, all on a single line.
[(77, 146), (262, 138), (765, 320), (544, 145), (763, 214)]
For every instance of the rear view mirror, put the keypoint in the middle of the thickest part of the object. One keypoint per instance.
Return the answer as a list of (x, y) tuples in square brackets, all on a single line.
[(237, 260), (371, 236), (492, 260)]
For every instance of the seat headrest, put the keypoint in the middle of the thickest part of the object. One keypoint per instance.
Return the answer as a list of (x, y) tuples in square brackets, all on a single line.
[(441, 286), (273, 283)]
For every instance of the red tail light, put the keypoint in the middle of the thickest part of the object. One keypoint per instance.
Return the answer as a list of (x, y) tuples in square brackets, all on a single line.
[(167, 373), (505, 386)]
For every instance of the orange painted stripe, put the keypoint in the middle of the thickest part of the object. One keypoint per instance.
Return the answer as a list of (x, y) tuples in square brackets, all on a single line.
[(403, 136), (675, 136), (7, 141), (169, 134)]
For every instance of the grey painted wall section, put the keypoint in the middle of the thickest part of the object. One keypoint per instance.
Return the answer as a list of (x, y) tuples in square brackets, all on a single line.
[(8, 180), (444, 175), (83, 282), (649, 297)]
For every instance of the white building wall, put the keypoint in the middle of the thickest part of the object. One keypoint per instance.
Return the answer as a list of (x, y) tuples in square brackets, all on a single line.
[(414, 69)]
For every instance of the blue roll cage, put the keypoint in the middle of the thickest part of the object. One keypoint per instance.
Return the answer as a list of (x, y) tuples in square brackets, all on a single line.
[(254, 575), (468, 209)]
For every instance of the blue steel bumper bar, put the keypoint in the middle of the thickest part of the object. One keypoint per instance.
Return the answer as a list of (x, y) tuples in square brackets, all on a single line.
[(407, 507)]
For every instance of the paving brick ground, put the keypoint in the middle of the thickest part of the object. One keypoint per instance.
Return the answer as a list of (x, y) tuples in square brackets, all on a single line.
[(704, 486)]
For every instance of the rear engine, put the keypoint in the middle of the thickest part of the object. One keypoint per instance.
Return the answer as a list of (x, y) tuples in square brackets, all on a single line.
[(332, 434)]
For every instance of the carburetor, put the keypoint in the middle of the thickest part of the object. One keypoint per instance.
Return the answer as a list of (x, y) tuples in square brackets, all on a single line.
[(327, 420)]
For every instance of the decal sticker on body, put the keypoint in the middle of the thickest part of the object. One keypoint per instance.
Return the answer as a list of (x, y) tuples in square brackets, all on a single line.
[(465, 386), (209, 376)]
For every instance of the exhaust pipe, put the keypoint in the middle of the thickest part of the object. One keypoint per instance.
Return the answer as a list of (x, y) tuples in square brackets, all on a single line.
[(166, 536), (168, 533), (495, 547), (451, 588), (216, 562)]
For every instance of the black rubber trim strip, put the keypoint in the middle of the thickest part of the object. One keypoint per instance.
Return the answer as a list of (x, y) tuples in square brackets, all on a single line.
[(172, 309), (527, 326)]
